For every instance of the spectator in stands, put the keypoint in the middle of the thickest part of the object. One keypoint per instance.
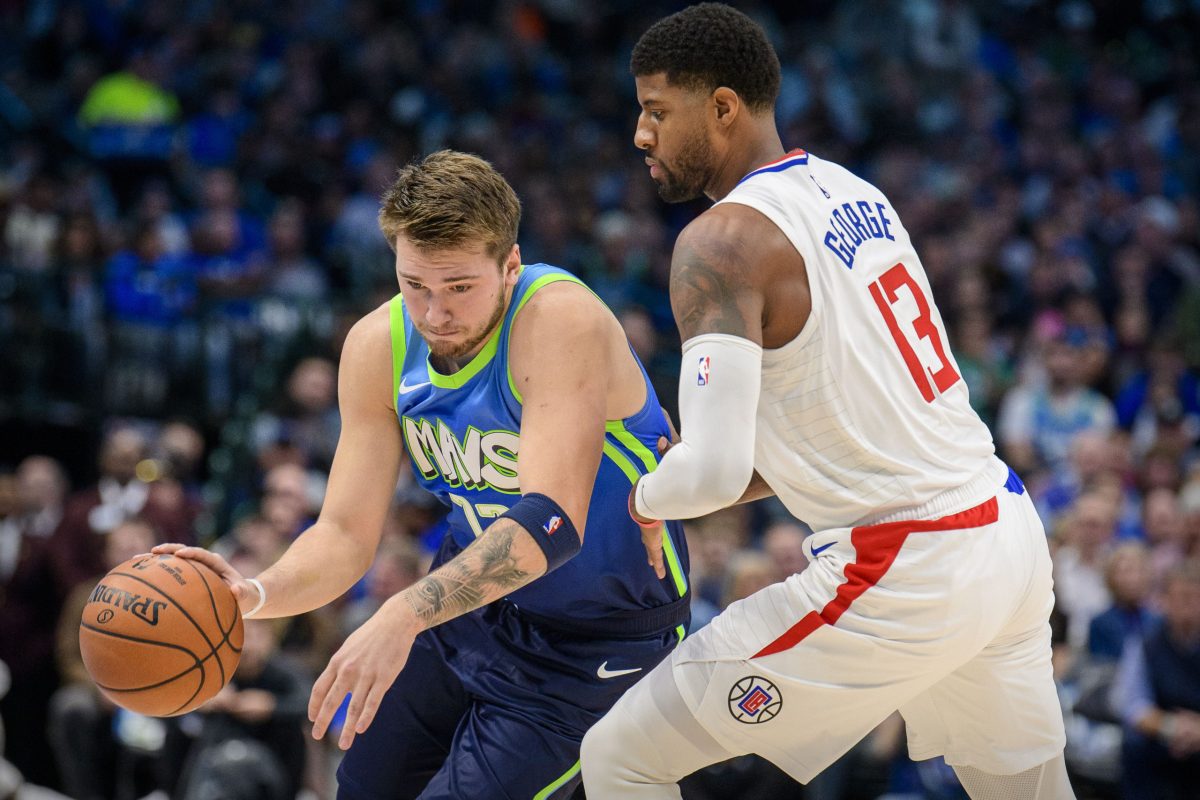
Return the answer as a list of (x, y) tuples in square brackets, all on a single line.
[(1157, 692), (1087, 536), (1127, 576), (29, 606), (783, 544), (1038, 423), (78, 543), (1163, 524), (307, 415)]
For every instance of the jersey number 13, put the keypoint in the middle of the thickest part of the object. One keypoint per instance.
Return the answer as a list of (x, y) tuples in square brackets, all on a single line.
[(885, 292)]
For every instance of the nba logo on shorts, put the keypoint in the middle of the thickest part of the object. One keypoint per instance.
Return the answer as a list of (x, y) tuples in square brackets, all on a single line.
[(702, 372), (753, 700)]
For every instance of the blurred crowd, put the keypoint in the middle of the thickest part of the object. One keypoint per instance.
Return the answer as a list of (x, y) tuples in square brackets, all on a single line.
[(188, 199)]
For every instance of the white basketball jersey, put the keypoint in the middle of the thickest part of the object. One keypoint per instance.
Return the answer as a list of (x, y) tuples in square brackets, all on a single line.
[(863, 416)]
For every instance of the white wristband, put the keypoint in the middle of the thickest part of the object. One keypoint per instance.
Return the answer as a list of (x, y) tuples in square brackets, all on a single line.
[(262, 598)]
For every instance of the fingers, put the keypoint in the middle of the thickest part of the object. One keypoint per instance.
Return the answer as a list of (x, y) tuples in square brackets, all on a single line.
[(652, 539), (664, 445), (670, 425), (325, 699), (167, 549), (209, 559), (364, 702)]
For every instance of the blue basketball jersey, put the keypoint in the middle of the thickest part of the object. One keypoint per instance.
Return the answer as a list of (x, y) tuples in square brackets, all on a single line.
[(462, 434)]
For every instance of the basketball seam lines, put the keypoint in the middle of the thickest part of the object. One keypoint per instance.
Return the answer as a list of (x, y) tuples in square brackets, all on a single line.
[(212, 650), (199, 662), (216, 616)]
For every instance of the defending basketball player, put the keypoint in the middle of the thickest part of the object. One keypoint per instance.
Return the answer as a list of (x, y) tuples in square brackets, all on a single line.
[(541, 609), (816, 367)]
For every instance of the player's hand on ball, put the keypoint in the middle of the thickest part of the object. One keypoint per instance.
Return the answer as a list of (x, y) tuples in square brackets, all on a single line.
[(365, 666), (244, 592)]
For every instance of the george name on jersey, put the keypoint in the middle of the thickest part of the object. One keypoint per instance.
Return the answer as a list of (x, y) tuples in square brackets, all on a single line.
[(853, 224), (477, 461)]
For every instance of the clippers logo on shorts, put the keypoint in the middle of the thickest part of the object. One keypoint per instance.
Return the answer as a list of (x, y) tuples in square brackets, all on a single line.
[(553, 524), (755, 699), (702, 371)]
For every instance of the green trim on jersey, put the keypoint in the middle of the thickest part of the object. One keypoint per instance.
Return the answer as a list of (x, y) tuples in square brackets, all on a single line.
[(533, 287), (631, 472), (558, 782), (399, 343)]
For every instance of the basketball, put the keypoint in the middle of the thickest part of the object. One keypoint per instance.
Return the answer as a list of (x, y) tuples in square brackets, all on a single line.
[(161, 635)]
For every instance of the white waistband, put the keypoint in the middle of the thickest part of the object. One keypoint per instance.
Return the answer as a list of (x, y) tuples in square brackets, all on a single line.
[(979, 489)]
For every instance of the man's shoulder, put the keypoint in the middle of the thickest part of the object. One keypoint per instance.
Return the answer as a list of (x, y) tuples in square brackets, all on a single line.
[(734, 235), (372, 332)]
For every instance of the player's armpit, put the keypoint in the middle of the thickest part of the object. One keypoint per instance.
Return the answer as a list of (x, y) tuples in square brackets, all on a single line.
[(757, 490), (713, 274)]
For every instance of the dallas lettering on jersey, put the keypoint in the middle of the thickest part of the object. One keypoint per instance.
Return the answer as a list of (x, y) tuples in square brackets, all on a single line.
[(851, 225), (480, 460)]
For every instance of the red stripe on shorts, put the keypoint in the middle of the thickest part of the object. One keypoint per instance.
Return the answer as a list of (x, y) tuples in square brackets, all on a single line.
[(876, 547)]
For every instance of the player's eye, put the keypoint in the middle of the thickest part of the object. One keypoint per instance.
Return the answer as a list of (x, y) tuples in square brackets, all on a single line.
[(414, 285), (656, 116), (460, 288)]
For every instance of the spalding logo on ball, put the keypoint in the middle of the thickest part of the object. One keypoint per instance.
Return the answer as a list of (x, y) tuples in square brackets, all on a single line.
[(161, 635), (754, 699)]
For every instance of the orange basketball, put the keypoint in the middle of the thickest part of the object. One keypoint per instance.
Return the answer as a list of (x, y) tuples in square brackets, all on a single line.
[(161, 635)]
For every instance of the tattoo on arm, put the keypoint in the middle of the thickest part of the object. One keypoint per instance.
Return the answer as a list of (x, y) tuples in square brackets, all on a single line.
[(707, 293), (703, 296), (485, 571)]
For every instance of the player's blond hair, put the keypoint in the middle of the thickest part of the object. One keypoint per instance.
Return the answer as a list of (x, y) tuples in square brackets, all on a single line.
[(448, 200)]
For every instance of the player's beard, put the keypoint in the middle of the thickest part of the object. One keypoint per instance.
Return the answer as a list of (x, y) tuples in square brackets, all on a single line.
[(687, 176), (455, 350)]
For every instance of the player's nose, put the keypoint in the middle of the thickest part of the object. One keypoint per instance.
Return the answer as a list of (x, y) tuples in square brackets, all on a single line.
[(437, 313), (643, 139)]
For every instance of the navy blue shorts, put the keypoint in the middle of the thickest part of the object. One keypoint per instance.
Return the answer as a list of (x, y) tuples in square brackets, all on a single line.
[(493, 705)]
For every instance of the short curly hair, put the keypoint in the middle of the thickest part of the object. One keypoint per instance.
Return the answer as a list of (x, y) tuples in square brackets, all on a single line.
[(711, 45)]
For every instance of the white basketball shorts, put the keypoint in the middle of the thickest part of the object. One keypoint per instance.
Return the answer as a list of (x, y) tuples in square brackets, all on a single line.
[(945, 620)]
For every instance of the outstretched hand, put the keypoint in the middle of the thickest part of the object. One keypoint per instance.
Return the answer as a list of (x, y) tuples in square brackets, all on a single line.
[(364, 667), (244, 592)]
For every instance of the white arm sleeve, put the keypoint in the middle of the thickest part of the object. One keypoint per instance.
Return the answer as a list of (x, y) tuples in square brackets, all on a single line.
[(712, 465)]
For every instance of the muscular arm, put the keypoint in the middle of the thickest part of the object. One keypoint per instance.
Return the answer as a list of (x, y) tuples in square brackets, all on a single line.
[(337, 549), (718, 304)]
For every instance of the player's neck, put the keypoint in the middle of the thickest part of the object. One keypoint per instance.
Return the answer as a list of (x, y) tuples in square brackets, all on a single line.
[(762, 147)]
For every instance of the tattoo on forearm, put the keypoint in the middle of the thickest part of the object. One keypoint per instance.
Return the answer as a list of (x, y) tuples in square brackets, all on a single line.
[(483, 572), (703, 294)]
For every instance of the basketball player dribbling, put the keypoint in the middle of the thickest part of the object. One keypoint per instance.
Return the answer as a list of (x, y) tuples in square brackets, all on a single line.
[(816, 368), (480, 680)]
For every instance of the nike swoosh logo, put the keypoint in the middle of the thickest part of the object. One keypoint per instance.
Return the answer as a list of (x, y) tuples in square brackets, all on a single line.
[(405, 389), (816, 551), (605, 672)]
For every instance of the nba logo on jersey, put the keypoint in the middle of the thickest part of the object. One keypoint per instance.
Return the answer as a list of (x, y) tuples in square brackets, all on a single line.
[(702, 372), (553, 524), (753, 700)]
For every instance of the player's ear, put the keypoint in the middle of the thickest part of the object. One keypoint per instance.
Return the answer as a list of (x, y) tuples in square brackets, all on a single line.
[(511, 266), (726, 105)]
